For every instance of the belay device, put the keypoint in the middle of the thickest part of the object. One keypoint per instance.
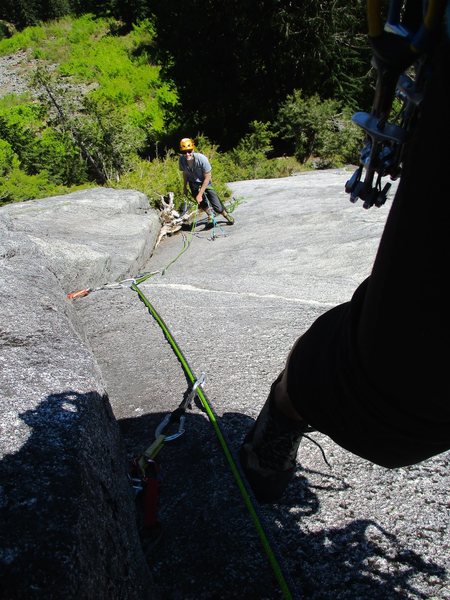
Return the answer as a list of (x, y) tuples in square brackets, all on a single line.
[(400, 55)]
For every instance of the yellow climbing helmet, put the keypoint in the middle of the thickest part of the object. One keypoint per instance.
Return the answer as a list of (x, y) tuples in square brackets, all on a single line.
[(187, 144)]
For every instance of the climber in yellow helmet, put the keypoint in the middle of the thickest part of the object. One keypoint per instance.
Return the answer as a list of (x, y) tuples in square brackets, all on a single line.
[(196, 170)]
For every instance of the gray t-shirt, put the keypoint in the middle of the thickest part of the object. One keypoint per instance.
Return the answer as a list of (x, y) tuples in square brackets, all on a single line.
[(196, 173)]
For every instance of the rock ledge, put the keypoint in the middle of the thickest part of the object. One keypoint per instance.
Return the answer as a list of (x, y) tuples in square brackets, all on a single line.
[(67, 512)]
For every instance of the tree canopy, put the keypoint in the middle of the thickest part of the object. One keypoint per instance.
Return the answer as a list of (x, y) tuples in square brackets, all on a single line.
[(235, 62)]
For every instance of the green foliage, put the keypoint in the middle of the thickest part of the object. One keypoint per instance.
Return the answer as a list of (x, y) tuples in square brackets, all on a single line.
[(249, 65), (7, 157), (98, 110), (35, 159), (249, 158), (113, 69), (120, 75), (318, 131), (59, 157), (98, 130), (28, 38), (18, 186), (7, 29), (38, 146), (154, 178), (20, 126), (107, 104)]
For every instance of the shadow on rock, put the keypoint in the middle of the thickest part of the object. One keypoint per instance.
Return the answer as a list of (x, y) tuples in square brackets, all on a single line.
[(209, 539), (211, 544), (359, 560), (64, 494)]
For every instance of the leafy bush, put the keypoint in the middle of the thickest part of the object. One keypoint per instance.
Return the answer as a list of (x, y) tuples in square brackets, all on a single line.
[(6, 29), (249, 156), (29, 37), (161, 175), (98, 110), (154, 178), (249, 159), (37, 146), (88, 51), (7, 157), (320, 132), (18, 186), (103, 105)]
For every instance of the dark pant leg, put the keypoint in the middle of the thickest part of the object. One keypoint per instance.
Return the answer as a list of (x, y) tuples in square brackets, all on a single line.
[(210, 196), (214, 200), (372, 373), (194, 187)]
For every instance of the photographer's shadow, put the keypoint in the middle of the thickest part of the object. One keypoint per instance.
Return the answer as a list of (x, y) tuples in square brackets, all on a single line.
[(206, 525)]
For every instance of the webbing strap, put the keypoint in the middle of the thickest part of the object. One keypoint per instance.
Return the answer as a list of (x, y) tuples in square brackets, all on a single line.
[(152, 451), (231, 462), (216, 225)]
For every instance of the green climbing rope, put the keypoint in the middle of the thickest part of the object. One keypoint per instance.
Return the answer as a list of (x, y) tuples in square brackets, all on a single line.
[(231, 462)]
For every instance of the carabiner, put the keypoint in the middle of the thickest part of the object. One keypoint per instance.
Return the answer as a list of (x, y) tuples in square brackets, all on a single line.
[(190, 397), (178, 416), (126, 283), (167, 419)]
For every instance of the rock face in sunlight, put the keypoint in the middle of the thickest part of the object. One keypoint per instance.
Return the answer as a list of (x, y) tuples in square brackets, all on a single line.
[(67, 510), (87, 238)]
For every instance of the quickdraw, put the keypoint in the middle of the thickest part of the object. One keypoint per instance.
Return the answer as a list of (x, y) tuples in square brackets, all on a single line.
[(146, 474), (396, 48), (124, 283)]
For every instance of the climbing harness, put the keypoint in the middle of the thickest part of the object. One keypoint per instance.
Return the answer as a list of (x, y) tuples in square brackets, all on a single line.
[(397, 53)]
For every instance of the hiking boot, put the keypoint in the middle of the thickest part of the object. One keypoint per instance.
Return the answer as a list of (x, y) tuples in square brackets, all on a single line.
[(268, 454), (228, 217)]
